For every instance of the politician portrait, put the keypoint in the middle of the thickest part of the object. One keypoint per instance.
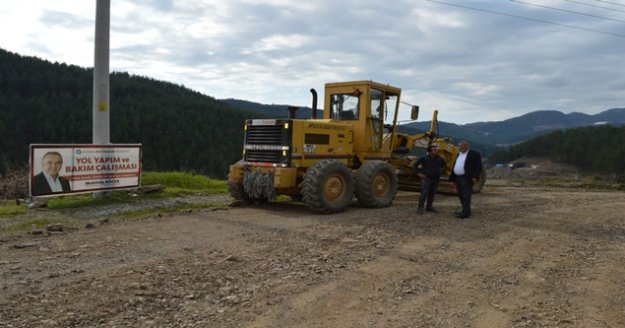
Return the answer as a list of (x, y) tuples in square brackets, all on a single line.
[(49, 181)]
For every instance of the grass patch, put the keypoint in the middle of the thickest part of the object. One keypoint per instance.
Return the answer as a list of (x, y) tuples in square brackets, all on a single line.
[(176, 184), (16, 218), (76, 201), (35, 222), (22, 224), (185, 181), (12, 209)]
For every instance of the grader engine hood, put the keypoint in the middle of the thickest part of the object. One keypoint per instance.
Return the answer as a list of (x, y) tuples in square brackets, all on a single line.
[(290, 142)]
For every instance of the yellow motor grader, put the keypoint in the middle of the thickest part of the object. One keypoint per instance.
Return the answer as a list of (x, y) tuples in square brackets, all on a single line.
[(356, 149)]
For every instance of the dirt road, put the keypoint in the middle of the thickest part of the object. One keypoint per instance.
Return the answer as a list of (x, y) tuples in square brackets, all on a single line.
[(529, 257)]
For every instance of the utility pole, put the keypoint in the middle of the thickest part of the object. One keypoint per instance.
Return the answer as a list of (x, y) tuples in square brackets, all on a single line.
[(101, 109)]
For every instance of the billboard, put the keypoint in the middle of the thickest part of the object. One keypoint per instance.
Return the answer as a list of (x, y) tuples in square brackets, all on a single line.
[(58, 169)]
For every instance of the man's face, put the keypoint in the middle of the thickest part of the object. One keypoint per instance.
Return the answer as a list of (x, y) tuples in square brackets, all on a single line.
[(463, 147), (52, 164)]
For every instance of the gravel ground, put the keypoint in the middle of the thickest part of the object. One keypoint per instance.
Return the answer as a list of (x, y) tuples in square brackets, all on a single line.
[(529, 257)]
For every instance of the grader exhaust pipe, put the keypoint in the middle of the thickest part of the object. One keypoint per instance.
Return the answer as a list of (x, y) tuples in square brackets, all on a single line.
[(314, 103)]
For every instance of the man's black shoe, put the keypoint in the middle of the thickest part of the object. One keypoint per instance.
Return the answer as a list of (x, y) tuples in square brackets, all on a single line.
[(431, 210), (462, 216)]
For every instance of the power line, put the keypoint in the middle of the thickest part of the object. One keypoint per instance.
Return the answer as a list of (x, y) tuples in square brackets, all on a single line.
[(591, 5), (612, 3), (568, 11), (529, 19)]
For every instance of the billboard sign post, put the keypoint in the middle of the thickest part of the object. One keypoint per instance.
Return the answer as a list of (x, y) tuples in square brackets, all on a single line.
[(60, 169)]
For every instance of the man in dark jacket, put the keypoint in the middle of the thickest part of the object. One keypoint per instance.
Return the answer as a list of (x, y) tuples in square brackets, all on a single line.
[(49, 181), (429, 169), (466, 172)]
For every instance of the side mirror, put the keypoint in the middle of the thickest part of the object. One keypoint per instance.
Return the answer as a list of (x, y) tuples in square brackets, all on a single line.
[(414, 113)]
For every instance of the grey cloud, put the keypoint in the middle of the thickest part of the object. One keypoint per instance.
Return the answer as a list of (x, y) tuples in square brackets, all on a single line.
[(474, 61)]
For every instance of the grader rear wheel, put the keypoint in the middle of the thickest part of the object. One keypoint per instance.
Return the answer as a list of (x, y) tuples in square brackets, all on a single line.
[(328, 187), (376, 184)]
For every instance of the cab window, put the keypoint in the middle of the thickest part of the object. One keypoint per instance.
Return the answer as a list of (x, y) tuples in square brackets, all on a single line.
[(345, 106), (377, 104)]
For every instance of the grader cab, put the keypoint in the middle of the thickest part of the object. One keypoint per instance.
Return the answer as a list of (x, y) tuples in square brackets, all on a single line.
[(325, 162)]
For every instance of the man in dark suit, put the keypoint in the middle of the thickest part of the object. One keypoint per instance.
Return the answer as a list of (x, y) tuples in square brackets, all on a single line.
[(49, 181), (466, 172)]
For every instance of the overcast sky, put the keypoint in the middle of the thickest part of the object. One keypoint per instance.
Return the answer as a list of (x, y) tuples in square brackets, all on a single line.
[(472, 60)]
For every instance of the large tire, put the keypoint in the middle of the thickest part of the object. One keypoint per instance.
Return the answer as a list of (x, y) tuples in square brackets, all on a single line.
[(376, 184), (328, 187)]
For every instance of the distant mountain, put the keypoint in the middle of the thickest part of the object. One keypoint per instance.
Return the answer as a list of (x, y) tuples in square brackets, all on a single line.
[(524, 127), (614, 115)]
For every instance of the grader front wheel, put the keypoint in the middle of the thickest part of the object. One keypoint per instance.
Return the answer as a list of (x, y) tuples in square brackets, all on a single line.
[(328, 187)]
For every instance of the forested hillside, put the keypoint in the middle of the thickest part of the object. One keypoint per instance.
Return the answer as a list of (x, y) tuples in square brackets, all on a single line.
[(272, 110), (595, 148), (182, 130)]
